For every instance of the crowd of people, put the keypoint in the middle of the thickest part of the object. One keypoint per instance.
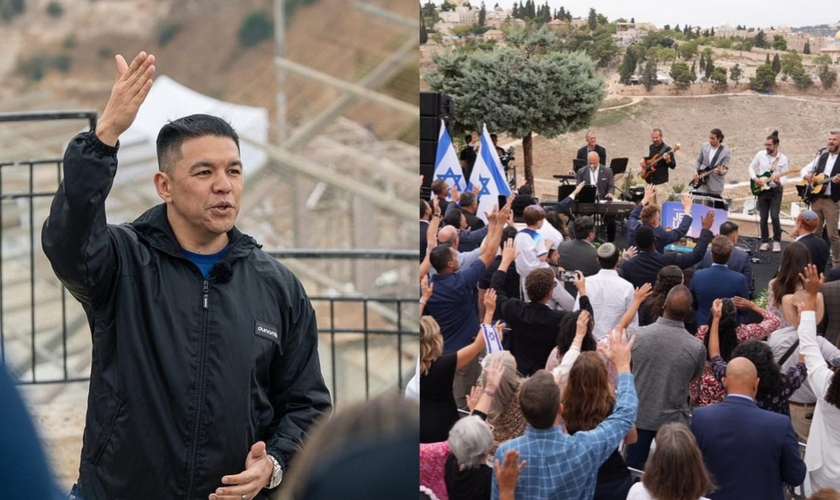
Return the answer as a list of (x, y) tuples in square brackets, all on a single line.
[(555, 367)]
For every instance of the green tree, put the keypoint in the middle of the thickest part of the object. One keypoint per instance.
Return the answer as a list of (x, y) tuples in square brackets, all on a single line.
[(807, 48), (802, 79), (681, 75), (764, 79), (667, 27), (712, 32), (593, 19), (562, 14), (791, 63), (55, 9), (424, 36), (649, 74), (702, 63), (688, 50), (257, 27), (827, 76), (677, 29), (776, 64), (822, 59), (760, 40), (706, 33), (461, 30), (694, 72), (446, 6), (633, 20), (628, 64), (779, 42), (710, 67), (718, 76), (482, 15), (735, 73), (767, 58), (548, 94)]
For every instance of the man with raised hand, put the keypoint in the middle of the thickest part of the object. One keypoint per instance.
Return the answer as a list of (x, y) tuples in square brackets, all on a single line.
[(205, 373)]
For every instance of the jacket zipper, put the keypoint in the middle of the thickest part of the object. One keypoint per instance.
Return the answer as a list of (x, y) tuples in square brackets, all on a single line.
[(205, 303)]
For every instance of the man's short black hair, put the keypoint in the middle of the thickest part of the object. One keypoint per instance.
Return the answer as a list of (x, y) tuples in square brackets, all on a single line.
[(728, 228), (645, 238), (173, 134), (440, 256), (453, 218), (583, 227), (509, 232)]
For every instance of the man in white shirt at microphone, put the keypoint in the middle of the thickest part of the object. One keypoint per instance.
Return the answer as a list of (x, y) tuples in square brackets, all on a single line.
[(826, 205)]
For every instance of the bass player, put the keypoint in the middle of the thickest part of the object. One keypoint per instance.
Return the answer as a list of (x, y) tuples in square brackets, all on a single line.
[(770, 161), (826, 206), (711, 165), (659, 175)]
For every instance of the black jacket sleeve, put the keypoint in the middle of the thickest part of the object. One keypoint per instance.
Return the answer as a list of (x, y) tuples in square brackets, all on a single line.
[(75, 236), (298, 393)]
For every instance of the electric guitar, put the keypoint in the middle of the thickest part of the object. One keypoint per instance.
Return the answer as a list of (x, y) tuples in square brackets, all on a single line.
[(815, 188), (703, 175), (757, 189), (650, 164)]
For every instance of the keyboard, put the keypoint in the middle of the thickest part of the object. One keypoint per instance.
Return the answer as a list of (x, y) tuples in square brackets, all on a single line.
[(614, 207)]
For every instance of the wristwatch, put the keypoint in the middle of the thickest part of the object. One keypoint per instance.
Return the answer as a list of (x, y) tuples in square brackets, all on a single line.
[(277, 475)]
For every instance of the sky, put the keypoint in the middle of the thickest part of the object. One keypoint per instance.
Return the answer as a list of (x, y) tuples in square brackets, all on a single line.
[(705, 13)]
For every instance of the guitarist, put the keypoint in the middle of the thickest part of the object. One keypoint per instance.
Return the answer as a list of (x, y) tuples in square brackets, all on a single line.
[(826, 206), (770, 201), (659, 178), (714, 157)]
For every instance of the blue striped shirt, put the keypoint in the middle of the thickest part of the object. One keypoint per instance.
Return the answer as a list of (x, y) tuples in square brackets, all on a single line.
[(563, 467)]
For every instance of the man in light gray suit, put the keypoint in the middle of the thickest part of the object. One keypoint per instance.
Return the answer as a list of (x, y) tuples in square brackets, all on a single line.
[(712, 164)]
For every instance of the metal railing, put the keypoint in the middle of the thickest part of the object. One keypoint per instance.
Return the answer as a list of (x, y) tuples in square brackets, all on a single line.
[(38, 323)]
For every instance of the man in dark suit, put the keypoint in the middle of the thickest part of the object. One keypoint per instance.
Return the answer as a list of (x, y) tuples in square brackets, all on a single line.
[(644, 267), (595, 174), (716, 282), (650, 214), (750, 452), (579, 254), (440, 190), (806, 224), (739, 261), (533, 324), (469, 207), (592, 146)]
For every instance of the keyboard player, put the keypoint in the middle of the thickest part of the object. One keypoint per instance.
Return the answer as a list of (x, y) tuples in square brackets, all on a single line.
[(600, 176)]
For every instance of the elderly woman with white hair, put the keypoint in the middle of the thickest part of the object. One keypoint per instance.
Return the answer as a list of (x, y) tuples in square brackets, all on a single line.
[(467, 474)]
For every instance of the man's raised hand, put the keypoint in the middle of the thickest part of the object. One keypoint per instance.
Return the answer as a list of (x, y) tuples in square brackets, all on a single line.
[(131, 86)]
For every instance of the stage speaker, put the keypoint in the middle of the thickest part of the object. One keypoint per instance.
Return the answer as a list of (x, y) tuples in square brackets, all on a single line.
[(434, 107)]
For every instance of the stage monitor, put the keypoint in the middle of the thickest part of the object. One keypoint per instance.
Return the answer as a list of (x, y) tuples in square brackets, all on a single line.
[(563, 191), (589, 194)]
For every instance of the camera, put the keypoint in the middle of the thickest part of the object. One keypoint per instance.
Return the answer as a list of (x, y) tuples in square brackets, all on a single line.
[(507, 157), (567, 276)]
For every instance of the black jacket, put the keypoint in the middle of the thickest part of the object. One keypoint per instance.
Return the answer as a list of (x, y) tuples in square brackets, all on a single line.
[(661, 174), (818, 250), (644, 267), (187, 372), (583, 152)]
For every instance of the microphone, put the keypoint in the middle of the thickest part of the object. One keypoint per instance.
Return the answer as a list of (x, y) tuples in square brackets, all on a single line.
[(821, 150)]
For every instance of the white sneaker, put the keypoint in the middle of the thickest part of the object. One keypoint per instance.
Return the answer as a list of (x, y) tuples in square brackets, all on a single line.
[(764, 247), (777, 247)]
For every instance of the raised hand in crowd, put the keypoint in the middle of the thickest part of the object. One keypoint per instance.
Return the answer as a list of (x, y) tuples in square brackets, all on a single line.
[(642, 293), (580, 283), (639, 296), (714, 330), (473, 397), (500, 326), (742, 303), (708, 220), (509, 255), (629, 253), (619, 350), (507, 474), (578, 189), (492, 378), (431, 240), (489, 305), (813, 281), (454, 194), (131, 86), (687, 202), (650, 193), (581, 327), (426, 290), (476, 190)]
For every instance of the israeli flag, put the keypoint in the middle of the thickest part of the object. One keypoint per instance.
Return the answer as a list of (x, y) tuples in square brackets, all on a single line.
[(491, 339), (488, 175), (447, 165)]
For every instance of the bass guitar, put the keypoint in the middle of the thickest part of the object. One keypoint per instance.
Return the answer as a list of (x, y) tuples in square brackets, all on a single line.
[(703, 175), (757, 189), (815, 188), (650, 164)]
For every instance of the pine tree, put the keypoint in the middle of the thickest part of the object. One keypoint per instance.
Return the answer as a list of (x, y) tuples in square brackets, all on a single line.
[(633, 20), (532, 9), (677, 29), (593, 19), (767, 59), (807, 49), (424, 37), (562, 15), (712, 32), (515, 10), (482, 15), (546, 12), (710, 67), (649, 75), (706, 32), (702, 63), (693, 71), (777, 64)]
